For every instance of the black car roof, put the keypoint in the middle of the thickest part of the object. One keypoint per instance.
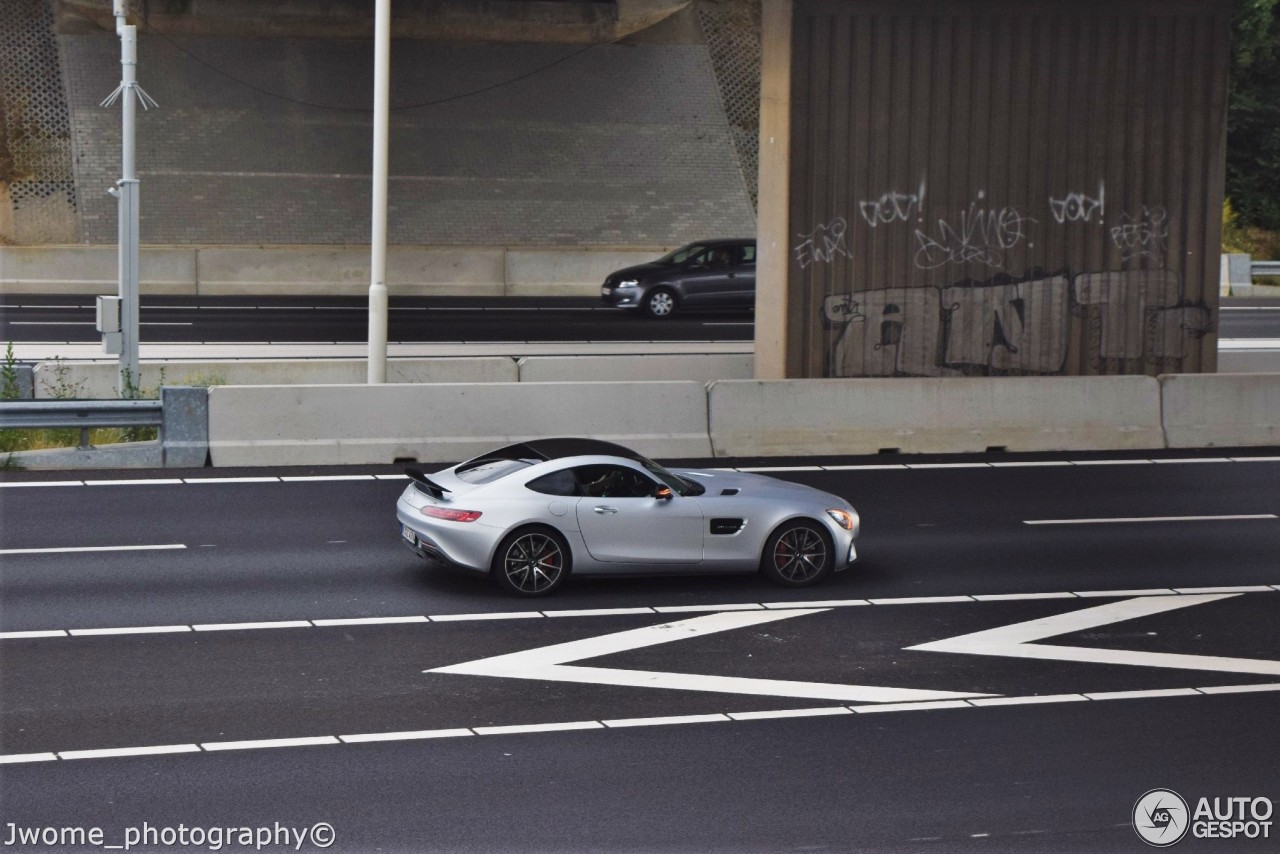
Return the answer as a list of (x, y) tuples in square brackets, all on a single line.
[(559, 448)]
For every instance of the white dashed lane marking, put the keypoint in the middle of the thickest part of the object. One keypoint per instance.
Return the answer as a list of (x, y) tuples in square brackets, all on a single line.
[(613, 612)]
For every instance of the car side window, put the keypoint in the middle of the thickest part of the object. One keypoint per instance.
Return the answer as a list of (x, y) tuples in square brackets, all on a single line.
[(747, 254), (610, 481), (557, 483)]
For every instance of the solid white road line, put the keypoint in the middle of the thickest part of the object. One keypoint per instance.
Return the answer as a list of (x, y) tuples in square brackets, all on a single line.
[(623, 723), (1193, 460), (235, 627), (509, 615), (1243, 589), (1139, 519), (269, 742), (921, 600), (76, 549), (791, 713), (369, 621), (1030, 701), (598, 612), (1017, 597), (1137, 695), (1240, 689), (687, 609), (864, 467), (830, 603), (1149, 591), (112, 752), (370, 737), (665, 721), (1109, 462), (911, 707), (15, 758), (523, 728), (129, 630), (602, 612), (948, 465)]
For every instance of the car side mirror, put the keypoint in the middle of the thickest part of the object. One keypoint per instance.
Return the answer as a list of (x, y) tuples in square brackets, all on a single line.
[(662, 493)]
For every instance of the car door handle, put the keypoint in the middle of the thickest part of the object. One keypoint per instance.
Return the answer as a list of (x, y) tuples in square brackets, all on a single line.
[(603, 511)]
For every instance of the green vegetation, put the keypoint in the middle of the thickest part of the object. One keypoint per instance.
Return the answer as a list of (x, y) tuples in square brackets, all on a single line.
[(1253, 129)]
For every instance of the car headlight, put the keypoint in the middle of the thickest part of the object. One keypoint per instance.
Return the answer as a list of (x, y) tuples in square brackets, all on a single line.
[(628, 283), (843, 518)]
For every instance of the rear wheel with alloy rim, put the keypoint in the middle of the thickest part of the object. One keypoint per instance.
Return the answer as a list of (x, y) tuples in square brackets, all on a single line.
[(660, 302), (798, 554), (531, 562)]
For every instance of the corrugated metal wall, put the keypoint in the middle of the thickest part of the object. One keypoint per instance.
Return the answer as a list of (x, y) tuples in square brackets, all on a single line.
[(998, 187)]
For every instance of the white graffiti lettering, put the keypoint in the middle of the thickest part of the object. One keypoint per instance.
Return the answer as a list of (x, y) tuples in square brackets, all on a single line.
[(823, 243), (1142, 236), (893, 207), (980, 235), (1077, 207)]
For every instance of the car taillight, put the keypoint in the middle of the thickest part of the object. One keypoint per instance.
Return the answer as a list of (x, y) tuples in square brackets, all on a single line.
[(450, 514)]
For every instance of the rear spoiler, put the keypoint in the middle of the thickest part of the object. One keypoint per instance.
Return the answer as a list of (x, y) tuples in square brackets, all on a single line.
[(424, 483)]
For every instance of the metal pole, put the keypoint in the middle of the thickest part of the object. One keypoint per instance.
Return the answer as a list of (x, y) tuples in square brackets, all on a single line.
[(127, 196), (378, 249)]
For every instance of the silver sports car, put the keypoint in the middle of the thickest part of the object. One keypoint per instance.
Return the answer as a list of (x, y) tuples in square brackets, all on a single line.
[(533, 513)]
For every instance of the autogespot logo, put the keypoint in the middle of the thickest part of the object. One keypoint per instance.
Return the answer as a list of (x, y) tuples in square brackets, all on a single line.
[(1160, 817)]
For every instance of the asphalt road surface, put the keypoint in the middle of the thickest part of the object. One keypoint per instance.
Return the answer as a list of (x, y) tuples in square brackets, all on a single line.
[(1022, 652), (30, 318), (345, 319)]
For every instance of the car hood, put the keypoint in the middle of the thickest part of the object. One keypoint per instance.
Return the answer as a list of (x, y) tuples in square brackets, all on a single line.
[(639, 271), (757, 486)]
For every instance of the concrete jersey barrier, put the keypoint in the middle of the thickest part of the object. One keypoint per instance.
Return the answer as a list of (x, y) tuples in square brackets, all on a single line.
[(944, 415), (360, 424), (1220, 410)]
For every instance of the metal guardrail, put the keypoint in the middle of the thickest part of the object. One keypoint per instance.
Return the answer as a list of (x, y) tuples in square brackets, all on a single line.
[(1265, 268), (82, 415)]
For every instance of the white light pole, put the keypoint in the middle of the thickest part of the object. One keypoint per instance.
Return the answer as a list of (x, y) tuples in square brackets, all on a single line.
[(126, 192), (378, 249)]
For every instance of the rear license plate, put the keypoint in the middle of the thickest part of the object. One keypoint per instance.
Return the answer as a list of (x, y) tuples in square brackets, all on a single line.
[(408, 535)]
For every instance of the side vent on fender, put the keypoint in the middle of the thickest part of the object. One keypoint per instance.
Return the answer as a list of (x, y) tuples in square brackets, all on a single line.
[(724, 527), (733, 490)]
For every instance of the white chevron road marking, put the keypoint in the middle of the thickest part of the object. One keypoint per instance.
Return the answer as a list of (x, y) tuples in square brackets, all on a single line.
[(553, 663), (1018, 639)]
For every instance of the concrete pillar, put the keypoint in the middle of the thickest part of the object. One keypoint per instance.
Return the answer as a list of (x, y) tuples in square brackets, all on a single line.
[(774, 208)]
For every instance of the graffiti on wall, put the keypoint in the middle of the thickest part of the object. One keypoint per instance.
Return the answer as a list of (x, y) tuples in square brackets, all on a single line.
[(823, 243), (1008, 323), (1142, 235), (1079, 207), (893, 206), (979, 234), (1009, 326)]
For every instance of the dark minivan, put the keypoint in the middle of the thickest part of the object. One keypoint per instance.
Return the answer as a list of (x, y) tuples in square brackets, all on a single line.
[(709, 273)]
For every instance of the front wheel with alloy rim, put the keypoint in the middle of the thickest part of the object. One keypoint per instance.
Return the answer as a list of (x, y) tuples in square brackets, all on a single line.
[(660, 302), (798, 554), (531, 562)]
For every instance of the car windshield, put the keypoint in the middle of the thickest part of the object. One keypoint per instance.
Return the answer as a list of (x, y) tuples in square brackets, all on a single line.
[(678, 484), (684, 253)]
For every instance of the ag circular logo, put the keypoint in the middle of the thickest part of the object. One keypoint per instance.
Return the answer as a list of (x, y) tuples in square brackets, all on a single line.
[(1160, 817)]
